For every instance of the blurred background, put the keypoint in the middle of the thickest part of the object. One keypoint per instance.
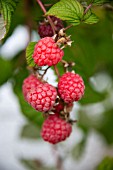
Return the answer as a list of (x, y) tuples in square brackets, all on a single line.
[(90, 146)]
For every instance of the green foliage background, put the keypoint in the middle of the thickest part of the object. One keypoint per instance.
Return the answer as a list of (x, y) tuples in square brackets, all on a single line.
[(92, 51)]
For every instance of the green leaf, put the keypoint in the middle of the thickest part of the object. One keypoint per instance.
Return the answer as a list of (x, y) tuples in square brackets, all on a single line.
[(7, 8), (2, 27), (90, 18), (30, 131), (29, 53), (68, 10), (6, 69), (106, 164), (20, 19), (100, 2)]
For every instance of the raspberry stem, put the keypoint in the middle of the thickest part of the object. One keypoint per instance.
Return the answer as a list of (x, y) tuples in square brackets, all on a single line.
[(69, 26), (48, 17), (45, 71), (47, 5), (88, 7), (56, 70), (59, 159), (67, 65)]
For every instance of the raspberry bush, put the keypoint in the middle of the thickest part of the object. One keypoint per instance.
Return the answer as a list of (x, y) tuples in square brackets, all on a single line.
[(60, 37)]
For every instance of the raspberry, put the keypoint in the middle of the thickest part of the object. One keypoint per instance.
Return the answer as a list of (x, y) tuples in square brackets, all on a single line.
[(42, 97), (58, 107), (47, 52), (55, 129), (29, 83), (71, 87), (45, 29), (61, 108)]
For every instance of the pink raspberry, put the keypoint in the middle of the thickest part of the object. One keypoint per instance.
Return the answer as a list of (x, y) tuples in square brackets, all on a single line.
[(42, 98), (45, 29), (29, 83), (47, 53), (55, 129), (71, 87)]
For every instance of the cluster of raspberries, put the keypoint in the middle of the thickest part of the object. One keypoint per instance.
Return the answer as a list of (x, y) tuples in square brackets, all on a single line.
[(43, 97)]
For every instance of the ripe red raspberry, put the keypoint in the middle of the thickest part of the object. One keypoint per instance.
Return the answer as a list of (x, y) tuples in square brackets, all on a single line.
[(55, 129), (45, 29), (29, 83), (47, 52), (42, 98), (71, 87)]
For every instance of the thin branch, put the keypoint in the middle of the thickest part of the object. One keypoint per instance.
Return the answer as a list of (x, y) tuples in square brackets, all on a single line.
[(88, 7), (48, 17), (56, 70), (45, 71), (59, 160), (28, 18), (65, 63), (47, 5), (69, 26)]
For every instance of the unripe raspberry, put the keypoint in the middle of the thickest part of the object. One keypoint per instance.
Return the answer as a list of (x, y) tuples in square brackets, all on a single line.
[(45, 29), (71, 87), (47, 53), (42, 98), (29, 83), (55, 129), (59, 107), (62, 108)]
